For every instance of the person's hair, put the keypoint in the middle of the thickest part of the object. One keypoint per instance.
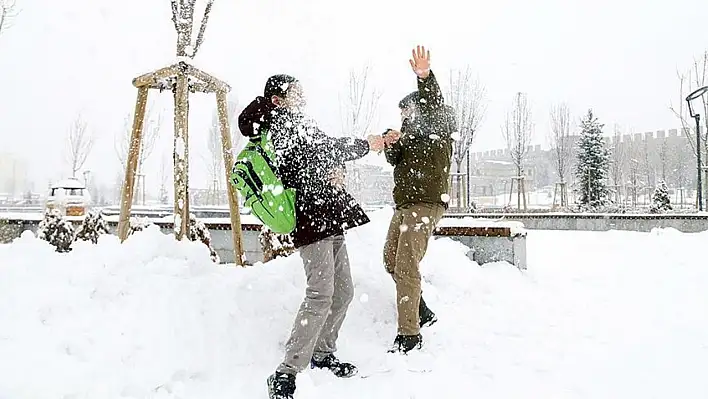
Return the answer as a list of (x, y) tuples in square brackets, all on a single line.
[(278, 85)]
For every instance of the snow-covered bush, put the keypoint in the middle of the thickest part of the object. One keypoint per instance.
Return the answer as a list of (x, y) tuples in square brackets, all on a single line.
[(5, 232), (199, 232), (93, 226), (138, 224), (660, 201), (275, 245), (56, 230)]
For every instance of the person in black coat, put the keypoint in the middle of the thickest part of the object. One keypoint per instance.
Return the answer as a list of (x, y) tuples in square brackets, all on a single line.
[(312, 163)]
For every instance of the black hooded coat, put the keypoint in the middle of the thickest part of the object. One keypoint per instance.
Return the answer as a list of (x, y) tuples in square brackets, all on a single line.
[(306, 159)]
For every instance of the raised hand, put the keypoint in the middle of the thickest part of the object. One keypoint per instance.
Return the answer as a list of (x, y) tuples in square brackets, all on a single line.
[(421, 62)]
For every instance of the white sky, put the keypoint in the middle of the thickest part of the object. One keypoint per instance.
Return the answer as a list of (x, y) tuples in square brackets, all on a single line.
[(64, 57)]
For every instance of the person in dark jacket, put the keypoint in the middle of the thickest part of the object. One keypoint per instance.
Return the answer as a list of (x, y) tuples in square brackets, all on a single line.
[(311, 162), (421, 154)]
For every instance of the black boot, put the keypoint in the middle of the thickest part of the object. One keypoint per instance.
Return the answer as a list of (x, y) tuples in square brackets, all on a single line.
[(406, 343), (426, 317), (338, 368), (281, 386)]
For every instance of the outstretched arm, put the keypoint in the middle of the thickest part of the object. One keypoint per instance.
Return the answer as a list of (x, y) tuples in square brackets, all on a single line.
[(432, 103)]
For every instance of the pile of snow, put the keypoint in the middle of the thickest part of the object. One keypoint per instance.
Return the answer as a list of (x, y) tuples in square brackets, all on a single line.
[(597, 315)]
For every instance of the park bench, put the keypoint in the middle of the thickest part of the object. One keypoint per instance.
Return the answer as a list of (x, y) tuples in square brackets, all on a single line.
[(489, 240)]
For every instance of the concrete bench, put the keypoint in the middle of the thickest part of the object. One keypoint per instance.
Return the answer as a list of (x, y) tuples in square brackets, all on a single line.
[(488, 240)]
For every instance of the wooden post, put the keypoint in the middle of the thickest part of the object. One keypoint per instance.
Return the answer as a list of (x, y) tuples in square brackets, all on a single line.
[(236, 231), (128, 188), (181, 157)]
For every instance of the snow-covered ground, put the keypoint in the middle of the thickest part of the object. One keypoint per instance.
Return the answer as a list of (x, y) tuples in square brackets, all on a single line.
[(597, 315)]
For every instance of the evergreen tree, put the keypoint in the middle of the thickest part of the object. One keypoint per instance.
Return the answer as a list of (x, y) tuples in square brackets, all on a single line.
[(660, 201), (593, 164)]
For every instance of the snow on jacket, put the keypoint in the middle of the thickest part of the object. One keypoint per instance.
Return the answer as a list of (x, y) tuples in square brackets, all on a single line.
[(422, 157), (306, 159)]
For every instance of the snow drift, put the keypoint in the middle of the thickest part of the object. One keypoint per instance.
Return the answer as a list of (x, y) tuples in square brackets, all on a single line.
[(597, 315)]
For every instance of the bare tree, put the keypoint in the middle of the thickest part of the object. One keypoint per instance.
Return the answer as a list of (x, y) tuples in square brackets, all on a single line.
[(467, 96), (517, 131), (690, 80), (359, 105), (663, 159), (80, 143), (8, 13), (561, 146), (618, 162), (151, 131), (680, 158), (165, 166)]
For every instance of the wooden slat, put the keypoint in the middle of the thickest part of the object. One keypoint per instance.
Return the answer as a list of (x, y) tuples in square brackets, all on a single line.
[(222, 109), (204, 77), (181, 159), (128, 188), (473, 231), (152, 78)]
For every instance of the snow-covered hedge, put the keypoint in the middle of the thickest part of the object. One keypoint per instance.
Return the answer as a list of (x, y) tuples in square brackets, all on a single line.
[(199, 232), (138, 224), (93, 226), (275, 245), (56, 230), (6, 234)]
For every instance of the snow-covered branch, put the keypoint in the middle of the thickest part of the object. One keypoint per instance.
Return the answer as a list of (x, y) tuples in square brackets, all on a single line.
[(517, 130), (467, 96), (359, 105), (8, 13), (560, 139), (80, 143)]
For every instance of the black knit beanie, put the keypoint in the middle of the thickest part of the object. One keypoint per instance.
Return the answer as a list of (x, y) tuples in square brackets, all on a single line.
[(278, 85), (412, 98)]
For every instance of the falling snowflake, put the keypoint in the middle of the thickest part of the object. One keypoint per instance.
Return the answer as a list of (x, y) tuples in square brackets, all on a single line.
[(364, 298), (303, 322), (403, 228), (445, 198)]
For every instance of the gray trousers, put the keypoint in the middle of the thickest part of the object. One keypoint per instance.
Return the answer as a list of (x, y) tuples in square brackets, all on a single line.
[(328, 294)]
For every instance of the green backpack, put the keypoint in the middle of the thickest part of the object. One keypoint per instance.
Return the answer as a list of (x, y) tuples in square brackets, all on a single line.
[(255, 175)]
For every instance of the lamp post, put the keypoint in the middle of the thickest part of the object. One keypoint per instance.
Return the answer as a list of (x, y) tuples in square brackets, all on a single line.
[(699, 186)]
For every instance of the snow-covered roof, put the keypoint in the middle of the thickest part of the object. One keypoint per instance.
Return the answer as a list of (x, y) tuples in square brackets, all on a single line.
[(71, 182)]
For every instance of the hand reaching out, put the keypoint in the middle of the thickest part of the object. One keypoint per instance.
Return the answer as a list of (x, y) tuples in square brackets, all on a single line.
[(421, 62), (391, 136), (376, 143)]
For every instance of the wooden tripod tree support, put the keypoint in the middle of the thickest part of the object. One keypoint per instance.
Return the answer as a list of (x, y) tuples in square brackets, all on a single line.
[(181, 79), (520, 190)]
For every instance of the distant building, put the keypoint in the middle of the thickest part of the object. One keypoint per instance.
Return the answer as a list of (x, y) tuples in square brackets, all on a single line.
[(14, 180), (639, 161)]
